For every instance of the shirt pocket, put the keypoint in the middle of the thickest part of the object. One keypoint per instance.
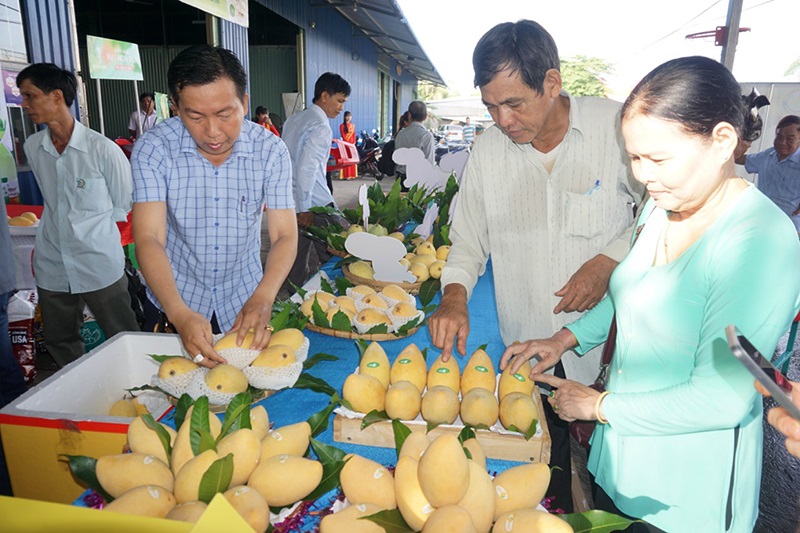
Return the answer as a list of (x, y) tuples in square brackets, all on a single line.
[(588, 215), (91, 194)]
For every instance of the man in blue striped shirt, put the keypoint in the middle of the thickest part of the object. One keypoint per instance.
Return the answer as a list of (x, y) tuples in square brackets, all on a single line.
[(201, 181)]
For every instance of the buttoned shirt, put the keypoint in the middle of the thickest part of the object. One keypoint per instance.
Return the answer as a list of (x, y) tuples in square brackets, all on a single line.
[(213, 213), (778, 180), (539, 226), (148, 121), (308, 137), (415, 136), (86, 190)]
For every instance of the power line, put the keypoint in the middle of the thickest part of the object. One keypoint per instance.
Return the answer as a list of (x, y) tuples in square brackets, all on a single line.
[(687, 23)]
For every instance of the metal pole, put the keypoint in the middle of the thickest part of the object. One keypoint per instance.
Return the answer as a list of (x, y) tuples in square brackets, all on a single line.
[(100, 107), (732, 34), (212, 30), (138, 109)]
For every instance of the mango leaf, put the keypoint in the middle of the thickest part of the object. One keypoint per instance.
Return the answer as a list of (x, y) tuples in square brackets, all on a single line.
[(332, 460), (428, 309), (425, 353), (378, 328), (299, 290), (483, 347), (161, 358), (84, 469), (281, 318), (237, 415), (361, 345), (347, 404), (199, 424), (204, 441), (481, 426), (433, 425), (319, 315), (318, 358), (428, 290), (341, 322), (467, 452), (408, 326), (372, 417), (148, 387), (342, 284), (596, 522), (401, 433), (325, 210), (325, 285), (353, 216), (337, 242), (466, 433), (216, 479), (346, 261), (319, 421), (390, 520), (184, 403), (527, 434), (161, 432), (307, 381)]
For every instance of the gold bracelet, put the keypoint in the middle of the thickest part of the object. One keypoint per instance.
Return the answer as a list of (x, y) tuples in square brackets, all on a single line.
[(597, 407)]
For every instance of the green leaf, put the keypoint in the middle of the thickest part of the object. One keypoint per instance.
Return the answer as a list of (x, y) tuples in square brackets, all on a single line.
[(332, 460), (161, 432), (325, 285), (428, 290), (162, 358), (483, 347), (467, 452), (205, 441), (148, 387), (216, 479), (378, 328), (184, 403), (84, 468), (408, 326), (325, 210), (361, 345), (319, 315), (199, 424), (318, 358), (237, 414), (401, 433), (299, 290), (342, 284), (306, 381), (353, 216), (466, 433), (390, 520), (529, 433), (341, 322), (346, 261), (372, 417), (433, 425), (428, 309), (596, 522), (280, 319), (319, 421)]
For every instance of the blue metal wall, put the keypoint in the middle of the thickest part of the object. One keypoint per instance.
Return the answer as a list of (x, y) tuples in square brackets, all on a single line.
[(49, 33)]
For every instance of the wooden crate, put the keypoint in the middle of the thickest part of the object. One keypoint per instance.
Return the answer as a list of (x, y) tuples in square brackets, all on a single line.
[(511, 447)]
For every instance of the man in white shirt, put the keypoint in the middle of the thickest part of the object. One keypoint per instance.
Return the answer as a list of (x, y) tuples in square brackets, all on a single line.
[(145, 118), (546, 192), (308, 137)]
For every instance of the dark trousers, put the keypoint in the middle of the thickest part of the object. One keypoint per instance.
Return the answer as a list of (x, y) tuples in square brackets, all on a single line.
[(560, 478), (311, 254), (62, 317), (603, 502), (156, 321)]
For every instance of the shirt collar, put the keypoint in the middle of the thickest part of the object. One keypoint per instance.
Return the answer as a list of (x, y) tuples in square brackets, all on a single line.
[(795, 157), (77, 140), (242, 147), (574, 114)]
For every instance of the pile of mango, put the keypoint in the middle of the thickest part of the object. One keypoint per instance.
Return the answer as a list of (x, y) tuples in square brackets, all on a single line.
[(398, 390), (426, 261), (437, 487), (25, 219)]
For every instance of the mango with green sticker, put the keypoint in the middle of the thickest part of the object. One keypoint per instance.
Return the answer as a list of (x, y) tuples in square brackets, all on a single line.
[(410, 366), (479, 372)]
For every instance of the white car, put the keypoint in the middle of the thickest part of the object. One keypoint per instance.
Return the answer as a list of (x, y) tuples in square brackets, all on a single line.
[(451, 132)]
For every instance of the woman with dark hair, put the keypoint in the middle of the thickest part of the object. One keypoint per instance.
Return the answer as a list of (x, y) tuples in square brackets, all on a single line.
[(679, 431), (348, 132)]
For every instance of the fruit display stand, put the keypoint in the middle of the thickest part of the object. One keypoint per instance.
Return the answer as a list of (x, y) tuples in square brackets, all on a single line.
[(412, 288)]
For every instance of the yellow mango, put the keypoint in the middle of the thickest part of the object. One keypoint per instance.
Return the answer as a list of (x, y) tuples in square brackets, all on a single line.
[(275, 356), (291, 337), (141, 409), (445, 374), (375, 363), (250, 504), (375, 300), (373, 317), (259, 421), (419, 270), (20, 221), (30, 216), (426, 248), (479, 498), (363, 290), (435, 269), (440, 405), (187, 482), (479, 407), (365, 481), (142, 439), (226, 379), (365, 393), (449, 519), (394, 292), (415, 445), (291, 440), (519, 410), (229, 340), (245, 446), (405, 310), (182, 448), (118, 474), (424, 259), (479, 372), (411, 501), (403, 401), (442, 252), (285, 479), (348, 520), (410, 366), (476, 451), (444, 471), (187, 511), (175, 366), (530, 520), (345, 302), (520, 381), (324, 298), (331, 312), (361, 269), (520, 487), (124, 408), (144, 500)]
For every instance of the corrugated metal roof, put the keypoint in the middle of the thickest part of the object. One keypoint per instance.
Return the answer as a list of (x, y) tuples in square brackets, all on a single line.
[(383, 23)]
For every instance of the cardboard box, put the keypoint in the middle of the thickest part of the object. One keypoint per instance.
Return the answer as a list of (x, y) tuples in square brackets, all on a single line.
[(66, 414)]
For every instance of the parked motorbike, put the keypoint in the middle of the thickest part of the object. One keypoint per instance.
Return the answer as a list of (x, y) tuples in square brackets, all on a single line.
[(369, 153)]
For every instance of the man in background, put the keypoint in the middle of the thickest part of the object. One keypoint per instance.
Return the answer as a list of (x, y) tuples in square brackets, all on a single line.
[(85, 181), (469, 132), (415, 135), (308, 137), (145, 118)]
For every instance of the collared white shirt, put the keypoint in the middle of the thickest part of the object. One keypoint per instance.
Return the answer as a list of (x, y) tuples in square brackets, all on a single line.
[(308, 137), (86, 191), (148, 121)]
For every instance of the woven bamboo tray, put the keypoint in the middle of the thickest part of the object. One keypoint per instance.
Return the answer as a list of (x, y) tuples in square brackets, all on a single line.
[(355, 335), (337, 253), (412, 288)]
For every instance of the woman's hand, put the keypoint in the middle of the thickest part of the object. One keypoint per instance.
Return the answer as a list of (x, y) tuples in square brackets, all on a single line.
[(549, 351), (781, 420), (570, 400)]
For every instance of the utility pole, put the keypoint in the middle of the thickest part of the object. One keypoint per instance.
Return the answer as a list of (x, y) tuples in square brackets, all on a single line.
[(731, 37)]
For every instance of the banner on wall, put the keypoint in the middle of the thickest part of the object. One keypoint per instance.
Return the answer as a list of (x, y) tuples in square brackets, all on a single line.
[(235, 11), (113, 60)]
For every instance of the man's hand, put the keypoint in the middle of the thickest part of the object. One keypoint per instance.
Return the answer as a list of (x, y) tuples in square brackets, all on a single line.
[(587, 286), (195, 332), (255, 315), (305, 219), (451, 320)]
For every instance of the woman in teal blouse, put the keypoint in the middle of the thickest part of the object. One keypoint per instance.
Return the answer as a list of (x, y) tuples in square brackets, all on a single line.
[(678, 439)]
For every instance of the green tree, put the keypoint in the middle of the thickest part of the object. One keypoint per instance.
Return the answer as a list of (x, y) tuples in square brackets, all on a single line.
[(794, 68), (428, 91), (584, 76)]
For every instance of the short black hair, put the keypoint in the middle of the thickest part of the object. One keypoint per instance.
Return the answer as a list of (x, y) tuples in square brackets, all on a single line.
[(418, 111), (145, 95), (332, 84), (524, 47), (49, 77), (203, 64), (788, 120), (261, 110)]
